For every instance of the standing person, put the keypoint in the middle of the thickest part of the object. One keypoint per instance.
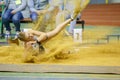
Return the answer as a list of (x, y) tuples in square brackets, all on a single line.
[(38, 7), (66, 8), (1, 3), (15, 11), (69, 6)]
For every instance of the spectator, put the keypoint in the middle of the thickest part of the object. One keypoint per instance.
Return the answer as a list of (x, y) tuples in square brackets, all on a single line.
[(38, 7), (68, 9), (15, 11), (65, 11), (1, 3)]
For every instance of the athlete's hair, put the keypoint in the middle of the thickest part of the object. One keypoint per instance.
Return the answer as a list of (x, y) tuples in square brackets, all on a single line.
[(22, 36)]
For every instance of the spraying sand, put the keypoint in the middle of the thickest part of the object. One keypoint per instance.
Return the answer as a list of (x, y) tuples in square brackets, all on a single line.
[(62, 50)]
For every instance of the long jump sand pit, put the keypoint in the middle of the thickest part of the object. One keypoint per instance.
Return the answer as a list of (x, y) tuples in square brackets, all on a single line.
[(87, 59)]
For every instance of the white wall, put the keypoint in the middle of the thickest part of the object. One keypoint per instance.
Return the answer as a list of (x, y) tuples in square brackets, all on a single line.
[(114, 1)]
